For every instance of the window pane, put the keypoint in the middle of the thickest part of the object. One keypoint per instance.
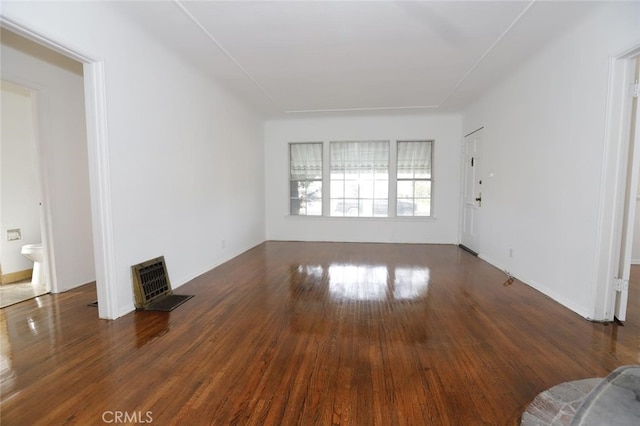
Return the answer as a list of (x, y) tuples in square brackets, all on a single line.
[(423, 189), (423, 207), (337, 189), (366, 208), (381, 208), (351, 207), (313, 190), (405, 189), (404, 207), (366, 188), (337, 207), (314, 208), (350, 189), (381, 189)]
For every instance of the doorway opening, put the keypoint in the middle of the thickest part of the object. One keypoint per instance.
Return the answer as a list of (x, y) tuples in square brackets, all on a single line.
[(621, 167), (46, 210), (21, 240), (98, 166)]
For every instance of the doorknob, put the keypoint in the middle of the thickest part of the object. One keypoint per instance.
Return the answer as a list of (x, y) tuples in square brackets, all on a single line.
[(479, 200)]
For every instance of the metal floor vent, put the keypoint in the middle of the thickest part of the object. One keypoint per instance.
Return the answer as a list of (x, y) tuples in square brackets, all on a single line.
[(152, 288)]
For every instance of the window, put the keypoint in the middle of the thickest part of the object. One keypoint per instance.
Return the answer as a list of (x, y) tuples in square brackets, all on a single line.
[(414, 179), (359, 178), (305, 179)]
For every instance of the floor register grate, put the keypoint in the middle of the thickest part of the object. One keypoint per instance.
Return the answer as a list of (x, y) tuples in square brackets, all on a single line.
[(152, 288)]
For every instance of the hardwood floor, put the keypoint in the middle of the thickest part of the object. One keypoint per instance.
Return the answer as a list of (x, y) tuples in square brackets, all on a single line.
[(305, 334)]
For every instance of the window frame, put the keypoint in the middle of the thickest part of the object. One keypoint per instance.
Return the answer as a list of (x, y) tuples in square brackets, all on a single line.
[(325, 211), (430, 179), (321, 180), (361, 200)]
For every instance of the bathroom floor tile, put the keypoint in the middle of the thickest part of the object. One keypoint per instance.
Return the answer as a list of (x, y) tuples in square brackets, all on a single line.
[(18, 292)]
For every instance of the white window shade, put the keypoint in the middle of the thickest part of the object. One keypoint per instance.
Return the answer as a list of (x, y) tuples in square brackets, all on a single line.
[(306, 161), (414, 160), (360, 155)]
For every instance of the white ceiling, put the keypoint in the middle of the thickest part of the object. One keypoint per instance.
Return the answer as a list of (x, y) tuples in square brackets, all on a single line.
[(295, 58)]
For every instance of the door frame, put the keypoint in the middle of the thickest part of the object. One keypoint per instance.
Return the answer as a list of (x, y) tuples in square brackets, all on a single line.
[(99, 172), (631, 170), (613, 185), (473, 250)]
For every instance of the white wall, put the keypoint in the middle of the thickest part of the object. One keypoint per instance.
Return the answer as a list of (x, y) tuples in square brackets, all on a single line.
[(186, 158), (18, 177), (544, 133), (59, 90), (443, 228)]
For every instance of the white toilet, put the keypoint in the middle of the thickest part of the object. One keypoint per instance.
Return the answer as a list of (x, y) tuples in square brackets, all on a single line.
[(34, 252)]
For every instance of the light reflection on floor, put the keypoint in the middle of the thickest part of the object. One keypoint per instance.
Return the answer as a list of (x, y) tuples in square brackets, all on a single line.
[(358, 282), (410, 282), (368, 282)]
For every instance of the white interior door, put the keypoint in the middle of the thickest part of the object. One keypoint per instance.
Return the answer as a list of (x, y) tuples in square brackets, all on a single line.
[(472, 191)]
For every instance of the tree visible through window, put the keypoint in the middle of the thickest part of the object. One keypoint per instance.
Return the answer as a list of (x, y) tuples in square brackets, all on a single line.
[(359, 175), (414, 179), (305, 179)]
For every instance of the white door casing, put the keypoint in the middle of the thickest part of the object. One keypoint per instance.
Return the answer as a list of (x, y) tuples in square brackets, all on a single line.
[(99, 173)]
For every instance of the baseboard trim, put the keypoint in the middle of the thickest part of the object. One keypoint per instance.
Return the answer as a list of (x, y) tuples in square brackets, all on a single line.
[(14, 277), (467, 249)]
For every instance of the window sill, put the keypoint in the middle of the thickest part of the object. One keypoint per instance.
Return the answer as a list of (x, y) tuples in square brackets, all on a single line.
[(366, 218)]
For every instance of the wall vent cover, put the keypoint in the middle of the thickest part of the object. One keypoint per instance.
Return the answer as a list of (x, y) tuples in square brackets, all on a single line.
[(152, 288)]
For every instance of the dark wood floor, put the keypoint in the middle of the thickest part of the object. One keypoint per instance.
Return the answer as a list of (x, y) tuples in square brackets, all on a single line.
[(309, 333)]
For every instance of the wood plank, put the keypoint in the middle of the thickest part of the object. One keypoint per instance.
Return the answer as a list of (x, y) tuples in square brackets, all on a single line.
[(310, 333)]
